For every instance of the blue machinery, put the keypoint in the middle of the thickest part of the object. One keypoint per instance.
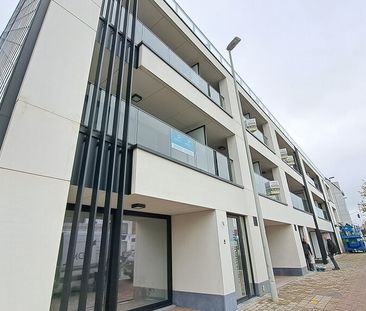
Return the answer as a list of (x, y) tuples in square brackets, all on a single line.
[(352, 238)]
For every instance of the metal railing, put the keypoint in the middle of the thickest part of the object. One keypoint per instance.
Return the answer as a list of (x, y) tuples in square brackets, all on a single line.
[(12, 40)]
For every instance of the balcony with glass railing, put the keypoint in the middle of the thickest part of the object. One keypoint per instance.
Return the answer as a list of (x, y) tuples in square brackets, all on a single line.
[(314, 182), (144, 35), (256, 131), (299, 202), (261, 137), (147, 37), (261, 187), (310, 180), (321, 213), (157, 136)]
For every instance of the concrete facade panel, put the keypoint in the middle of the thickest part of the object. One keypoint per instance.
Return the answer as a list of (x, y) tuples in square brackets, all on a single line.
[(32, 210), (176, 182), (57, 81), (39, 142)]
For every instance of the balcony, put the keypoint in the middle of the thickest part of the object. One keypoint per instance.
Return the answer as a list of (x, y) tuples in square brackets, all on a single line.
[(299, 202), (162, 139), (159, 137), (287, 152), (255, 124), (321, 213), (261, 137), (146, 36), (261, 187)]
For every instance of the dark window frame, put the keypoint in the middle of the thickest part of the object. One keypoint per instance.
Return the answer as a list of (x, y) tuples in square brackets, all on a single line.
[(167, 218)]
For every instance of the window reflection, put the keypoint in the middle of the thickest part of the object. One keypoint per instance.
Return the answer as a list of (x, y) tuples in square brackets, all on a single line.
[(144, 263), (143, 278)]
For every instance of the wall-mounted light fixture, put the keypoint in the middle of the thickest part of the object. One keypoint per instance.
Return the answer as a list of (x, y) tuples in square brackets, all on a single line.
[(136, 98), (138, 206)]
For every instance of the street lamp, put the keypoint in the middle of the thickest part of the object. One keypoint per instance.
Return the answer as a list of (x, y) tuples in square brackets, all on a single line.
[(267, 255)]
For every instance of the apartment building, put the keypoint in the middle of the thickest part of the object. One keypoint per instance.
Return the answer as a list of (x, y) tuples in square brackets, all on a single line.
[(337, 200), (124, 177)]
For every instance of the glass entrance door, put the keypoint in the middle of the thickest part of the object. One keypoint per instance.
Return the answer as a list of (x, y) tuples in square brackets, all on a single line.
[(240, 258), (145, 277)]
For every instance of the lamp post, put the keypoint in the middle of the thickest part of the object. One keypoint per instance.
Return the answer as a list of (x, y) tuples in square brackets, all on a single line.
[(267, 255)]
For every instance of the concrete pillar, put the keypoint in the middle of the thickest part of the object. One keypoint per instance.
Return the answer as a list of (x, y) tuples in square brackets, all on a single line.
[(227, 90), (150, 272), (235, 143), (260, 275), (280, 176), (286, 250), (269, 132), (202, 270), (237, 153)]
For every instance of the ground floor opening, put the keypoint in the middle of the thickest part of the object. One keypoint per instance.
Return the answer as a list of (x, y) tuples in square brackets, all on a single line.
[(145, 261), (200, 260)]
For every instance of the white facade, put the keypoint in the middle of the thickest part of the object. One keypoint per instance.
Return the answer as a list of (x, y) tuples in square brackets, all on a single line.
[(197, 193)]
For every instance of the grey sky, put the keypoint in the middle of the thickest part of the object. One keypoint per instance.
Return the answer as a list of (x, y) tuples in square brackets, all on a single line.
[(306, 61)]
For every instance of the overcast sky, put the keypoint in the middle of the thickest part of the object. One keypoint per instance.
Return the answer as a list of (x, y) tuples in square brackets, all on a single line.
[(306, 60)]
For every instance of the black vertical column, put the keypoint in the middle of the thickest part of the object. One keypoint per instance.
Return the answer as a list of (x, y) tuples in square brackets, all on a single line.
[(102, 279), (100, 155), (66, 290), (328, 211), (308, 194), (114, 271)]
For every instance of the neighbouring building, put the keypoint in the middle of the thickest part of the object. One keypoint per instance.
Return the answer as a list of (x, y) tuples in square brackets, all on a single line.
[(338, 200), (124, 180)]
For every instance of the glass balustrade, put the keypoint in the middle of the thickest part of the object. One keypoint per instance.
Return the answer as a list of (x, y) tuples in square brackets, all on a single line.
[(261, 186), (261, 137), (310, 180), (146, 36), (321, 213), (298, 202), (155, 135)]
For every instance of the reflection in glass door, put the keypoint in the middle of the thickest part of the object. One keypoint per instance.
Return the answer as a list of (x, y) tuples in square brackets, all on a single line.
[(145, 279), (144, 261), (240, 258)]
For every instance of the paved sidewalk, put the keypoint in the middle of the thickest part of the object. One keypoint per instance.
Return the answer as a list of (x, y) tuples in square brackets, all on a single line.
[(331, 290)]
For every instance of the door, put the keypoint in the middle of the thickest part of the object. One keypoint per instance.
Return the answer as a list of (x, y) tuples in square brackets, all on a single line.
[(145, 262), (240, 258)]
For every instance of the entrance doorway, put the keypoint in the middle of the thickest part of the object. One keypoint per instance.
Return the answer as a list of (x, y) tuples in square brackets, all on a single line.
[(145, 262), (242, 270)]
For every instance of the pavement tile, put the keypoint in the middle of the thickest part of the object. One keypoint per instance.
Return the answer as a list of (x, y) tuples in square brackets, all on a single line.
[(330, 290)]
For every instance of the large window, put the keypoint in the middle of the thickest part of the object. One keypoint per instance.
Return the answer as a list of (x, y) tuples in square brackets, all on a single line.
[(144, 276), (144, 259)]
